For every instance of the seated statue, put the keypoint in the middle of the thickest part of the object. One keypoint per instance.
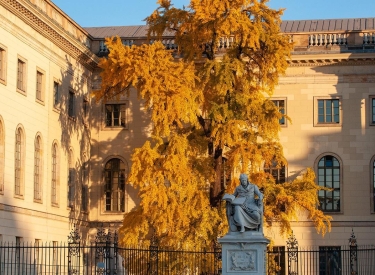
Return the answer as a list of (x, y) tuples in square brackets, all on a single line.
[(244, 210)]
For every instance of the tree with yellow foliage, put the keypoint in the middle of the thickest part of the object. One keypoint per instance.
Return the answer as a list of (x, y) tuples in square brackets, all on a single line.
[(212, 117)]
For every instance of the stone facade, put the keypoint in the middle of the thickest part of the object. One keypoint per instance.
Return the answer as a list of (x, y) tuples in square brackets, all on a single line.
[(82, 141)]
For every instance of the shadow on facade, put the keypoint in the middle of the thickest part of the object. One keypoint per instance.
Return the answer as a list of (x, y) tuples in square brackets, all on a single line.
[(83, 133)]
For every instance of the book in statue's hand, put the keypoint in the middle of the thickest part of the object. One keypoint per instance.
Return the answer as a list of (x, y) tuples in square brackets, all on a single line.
[(234, 200)]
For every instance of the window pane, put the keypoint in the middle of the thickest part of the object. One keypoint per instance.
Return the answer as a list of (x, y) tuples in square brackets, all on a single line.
[(115, 115), (20, 75), (114, 186), (56, 95), (37, 167), (329, 176), (328, 111), (122, 115), (71, 104), (108, 115), (39, 78), (2, 53)]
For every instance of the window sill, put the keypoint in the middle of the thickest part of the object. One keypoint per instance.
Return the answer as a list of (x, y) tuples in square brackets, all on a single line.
[(55, 205), (38, 201), (21, 197), (3, 81), (333, 212), (56, 109), (114, 128), (327, 125), (41, 102), (113, 212), (21, 92)]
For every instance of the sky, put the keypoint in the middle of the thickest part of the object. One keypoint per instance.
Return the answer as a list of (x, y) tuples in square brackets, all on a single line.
[(95, 13)]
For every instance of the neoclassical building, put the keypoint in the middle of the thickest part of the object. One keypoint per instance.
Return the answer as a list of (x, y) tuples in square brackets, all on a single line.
[(64, 158)]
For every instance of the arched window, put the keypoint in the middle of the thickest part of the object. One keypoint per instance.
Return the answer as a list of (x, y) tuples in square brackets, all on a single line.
[(38, 169), (2, 156), (19, 163), (114, 187), (329, 176), (55, 175), (71, 180)]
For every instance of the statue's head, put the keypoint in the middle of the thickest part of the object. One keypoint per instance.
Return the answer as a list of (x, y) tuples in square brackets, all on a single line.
[(244, 180)]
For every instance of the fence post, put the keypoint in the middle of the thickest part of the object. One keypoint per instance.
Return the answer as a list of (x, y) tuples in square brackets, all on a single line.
[(217, 258), (115, 251), (292, 245), (353, 254), (74, 241), (102, 245), (154, 257)]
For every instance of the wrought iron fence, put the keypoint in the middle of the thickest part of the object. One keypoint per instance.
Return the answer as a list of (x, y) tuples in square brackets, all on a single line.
[(56, 259), (93, 259), (105, 257), (334, 260)]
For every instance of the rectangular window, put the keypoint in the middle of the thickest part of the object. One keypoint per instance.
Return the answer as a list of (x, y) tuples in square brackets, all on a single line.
[(56, 95), (3, 64), (85, 112), (39, 85), (21, 75), (71, 104), (2, 57), (277, 173), (329, 260), (278, 263), (115, 115), (84, 201), (328, 111), (85, 107), (102, 46), (71, 185), (280, 104), (372, 107), (84, 187)]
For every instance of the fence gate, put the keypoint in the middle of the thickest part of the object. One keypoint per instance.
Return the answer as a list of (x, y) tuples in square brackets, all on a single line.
[(292, 245), (100, 258)]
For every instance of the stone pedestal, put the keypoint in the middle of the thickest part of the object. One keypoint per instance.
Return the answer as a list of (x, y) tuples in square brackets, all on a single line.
[(244, 253)]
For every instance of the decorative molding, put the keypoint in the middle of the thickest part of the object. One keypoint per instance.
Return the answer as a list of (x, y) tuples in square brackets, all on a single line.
[(326, 78), (49, 29), (350, 224), (38, 46), (308, 59)]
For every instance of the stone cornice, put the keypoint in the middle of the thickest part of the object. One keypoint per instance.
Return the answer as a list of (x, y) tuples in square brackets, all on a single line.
[(52, 31), (328, 59), (326, 79)]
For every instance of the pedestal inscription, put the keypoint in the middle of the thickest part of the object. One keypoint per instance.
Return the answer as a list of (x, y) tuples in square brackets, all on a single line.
[(242, 260)]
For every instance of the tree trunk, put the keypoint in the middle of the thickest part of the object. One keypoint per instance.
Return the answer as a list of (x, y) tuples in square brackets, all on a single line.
[(217, 189)]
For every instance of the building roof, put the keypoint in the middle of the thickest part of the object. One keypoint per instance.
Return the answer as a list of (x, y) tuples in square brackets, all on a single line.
[(122, 31), (287, 26), (328, 25)]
